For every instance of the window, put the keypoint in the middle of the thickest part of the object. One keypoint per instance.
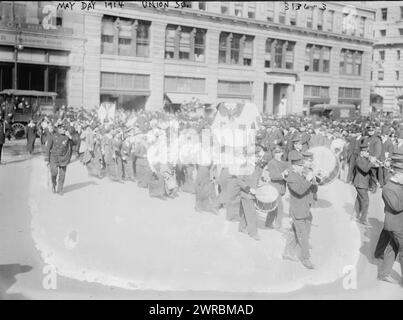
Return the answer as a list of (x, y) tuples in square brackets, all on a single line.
[(380, 75), (309, 17), (398, 55), (382, 55), (131, 36), (235, 49), (224, 8), (279, 54), (329, 20), (317, 58), (239, 9), (202, 5), (248, 51), (184, 85), (401, 13), (281, 14), (384, 14), (293, 17), (124, 81), (382, 32), (235, 89), (397, 75), (316, 91), (7, 11), (401, 31), (143, 39), (350, 93), (20, 11), (252, 11), (200, 40), (350, 62), (170, 35), (326, 59), (371, 74), (270, 11), (362, 27), (320, 20), (185, 43)]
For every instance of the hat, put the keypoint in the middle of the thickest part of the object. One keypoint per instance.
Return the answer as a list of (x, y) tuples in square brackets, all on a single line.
[(295, 157), (297, 138)]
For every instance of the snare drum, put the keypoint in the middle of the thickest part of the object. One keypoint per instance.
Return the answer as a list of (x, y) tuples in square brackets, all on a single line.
[(266, 199)]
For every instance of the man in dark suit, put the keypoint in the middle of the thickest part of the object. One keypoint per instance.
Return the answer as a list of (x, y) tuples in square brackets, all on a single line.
[(361, 182), (301, 189), (392, 195), (58, 155), (375, 150)]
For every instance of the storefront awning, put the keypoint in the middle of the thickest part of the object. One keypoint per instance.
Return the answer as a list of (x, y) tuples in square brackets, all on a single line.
[(182, 98)]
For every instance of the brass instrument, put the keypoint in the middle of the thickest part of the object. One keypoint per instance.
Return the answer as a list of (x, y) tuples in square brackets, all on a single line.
[(378, 163)]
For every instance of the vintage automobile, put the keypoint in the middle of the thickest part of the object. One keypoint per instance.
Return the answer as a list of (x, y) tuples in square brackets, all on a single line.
[(28, 104), (335, 111)]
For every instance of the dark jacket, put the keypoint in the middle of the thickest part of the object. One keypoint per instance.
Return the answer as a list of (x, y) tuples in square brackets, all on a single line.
[(59, 150), (2, 135), (301, 195), (362, 173)]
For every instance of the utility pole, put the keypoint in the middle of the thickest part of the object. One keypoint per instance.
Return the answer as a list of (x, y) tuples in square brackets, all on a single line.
[(17, 46)]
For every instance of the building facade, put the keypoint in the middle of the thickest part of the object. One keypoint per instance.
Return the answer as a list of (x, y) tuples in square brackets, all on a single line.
[(387, 66), (147, 53)]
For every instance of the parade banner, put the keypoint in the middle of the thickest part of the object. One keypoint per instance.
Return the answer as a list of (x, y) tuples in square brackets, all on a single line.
[(107, 111)]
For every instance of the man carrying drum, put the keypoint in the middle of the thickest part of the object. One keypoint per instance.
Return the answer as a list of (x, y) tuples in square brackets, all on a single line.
[(275, 167), (301, 189)]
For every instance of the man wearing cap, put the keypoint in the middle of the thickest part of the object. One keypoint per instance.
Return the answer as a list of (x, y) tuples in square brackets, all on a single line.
[(392, 195), (361, 182), (374, 150), (59, 149), (296, 147), (387, 150), (301, 188), (289, 143), (275, 168)]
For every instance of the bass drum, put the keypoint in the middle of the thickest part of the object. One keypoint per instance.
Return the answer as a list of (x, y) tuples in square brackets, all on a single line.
[(325, 163)]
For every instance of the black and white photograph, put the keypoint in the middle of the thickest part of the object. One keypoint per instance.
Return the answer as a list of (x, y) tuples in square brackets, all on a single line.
[(201, 150)]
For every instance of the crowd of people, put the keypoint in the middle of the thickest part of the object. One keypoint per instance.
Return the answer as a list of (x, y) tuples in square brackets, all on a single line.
[(370, 154)]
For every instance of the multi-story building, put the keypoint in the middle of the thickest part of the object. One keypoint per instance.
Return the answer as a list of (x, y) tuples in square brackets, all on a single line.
[(146, 53), (387, 66)]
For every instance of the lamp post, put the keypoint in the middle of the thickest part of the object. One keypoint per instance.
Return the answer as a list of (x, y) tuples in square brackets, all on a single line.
[(17, 47)]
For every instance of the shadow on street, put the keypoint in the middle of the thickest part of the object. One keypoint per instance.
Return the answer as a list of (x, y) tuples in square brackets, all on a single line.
[(8, 273)]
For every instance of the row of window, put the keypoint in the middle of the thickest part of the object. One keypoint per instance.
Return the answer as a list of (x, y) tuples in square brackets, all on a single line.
[(132, 38), (382, 55), (381, 75), (384, 14), (174, 84), (15, 10), (382, 32)]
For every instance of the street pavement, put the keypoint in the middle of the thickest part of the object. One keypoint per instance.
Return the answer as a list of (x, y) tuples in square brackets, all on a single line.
[(112, 241)]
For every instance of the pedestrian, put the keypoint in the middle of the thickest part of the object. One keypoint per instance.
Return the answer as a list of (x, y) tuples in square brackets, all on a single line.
[(392, 195), (31, 136), (58, 156), (361, 182), (301, 188)]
